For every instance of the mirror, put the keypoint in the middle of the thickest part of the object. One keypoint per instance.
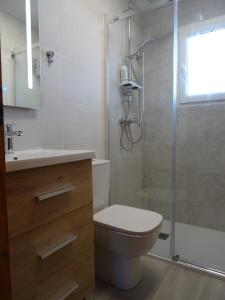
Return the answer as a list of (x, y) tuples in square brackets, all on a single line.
[(20, 53)]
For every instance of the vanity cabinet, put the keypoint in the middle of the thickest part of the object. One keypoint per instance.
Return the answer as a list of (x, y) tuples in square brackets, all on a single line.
[(50, 223)]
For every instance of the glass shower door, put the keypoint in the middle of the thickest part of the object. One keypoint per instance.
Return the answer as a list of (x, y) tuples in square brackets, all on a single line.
[(142, 176), (200, 159), (158, 141)]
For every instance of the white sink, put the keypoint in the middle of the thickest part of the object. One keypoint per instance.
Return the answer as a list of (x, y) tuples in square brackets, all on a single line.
[(28, 159)]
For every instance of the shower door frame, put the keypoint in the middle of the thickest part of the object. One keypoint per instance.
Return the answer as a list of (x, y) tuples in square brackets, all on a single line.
[(172, 253), (176, 257)]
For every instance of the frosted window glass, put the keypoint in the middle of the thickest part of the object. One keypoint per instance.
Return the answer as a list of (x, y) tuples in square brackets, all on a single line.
[(206, 63)]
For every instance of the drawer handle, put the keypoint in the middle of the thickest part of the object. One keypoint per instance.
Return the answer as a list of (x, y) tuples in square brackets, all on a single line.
[(52, 250), (55, 193), (67, 291)]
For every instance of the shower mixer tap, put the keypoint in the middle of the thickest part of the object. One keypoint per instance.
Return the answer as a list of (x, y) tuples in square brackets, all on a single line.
[(9, 134), (123, 121)]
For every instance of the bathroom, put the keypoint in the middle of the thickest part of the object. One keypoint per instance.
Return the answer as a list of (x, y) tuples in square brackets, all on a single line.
[(112, 133)]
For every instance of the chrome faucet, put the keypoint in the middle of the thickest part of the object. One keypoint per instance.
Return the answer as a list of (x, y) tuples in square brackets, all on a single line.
[(9, 134)]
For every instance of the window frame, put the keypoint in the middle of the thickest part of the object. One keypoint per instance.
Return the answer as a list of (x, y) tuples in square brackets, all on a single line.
[(185, 32)]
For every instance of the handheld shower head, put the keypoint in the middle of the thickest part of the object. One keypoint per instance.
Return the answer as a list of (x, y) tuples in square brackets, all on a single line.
[(143, 44), (141, 47)]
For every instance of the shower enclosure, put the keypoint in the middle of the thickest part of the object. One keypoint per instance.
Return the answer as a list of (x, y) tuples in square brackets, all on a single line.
[(171, 53)]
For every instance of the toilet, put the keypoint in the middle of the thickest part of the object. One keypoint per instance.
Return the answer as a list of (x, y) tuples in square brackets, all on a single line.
[(123, 234)]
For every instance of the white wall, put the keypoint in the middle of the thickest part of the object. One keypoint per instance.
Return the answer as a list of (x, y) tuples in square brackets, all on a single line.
[(73, 106)]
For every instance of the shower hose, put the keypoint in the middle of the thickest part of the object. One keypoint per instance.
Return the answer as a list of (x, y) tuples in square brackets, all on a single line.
[(127, 140)]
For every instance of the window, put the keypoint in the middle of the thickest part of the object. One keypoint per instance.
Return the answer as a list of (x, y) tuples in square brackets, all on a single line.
[(201, 64), (206, 63)]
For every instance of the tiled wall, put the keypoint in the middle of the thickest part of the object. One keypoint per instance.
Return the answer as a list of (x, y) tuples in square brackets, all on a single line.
[(200, 144), (126, 167), (72, 114), (200, 129), (157, 144)]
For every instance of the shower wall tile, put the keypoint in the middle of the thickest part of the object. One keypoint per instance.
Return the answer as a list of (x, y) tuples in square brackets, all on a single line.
[(158, 23), (191, 127), (126, 166), (128, 163), (202, 214), (158, 128), (215, 158), (215, 189), (199, 196), (191, 156), (159, 103), (182, 186), (200, 132), (124, 187), (157, 145), (160, 184), (157, 155), (215, 126), (161, 207), (197, 186), (158, 188)]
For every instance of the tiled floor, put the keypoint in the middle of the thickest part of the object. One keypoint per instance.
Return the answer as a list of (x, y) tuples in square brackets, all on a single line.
[(165, 281)]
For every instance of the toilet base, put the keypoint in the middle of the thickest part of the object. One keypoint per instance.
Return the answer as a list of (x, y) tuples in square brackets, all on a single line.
[(121, 271)]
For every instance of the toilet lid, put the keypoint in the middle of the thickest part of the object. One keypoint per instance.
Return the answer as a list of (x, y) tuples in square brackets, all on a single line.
[(129, 220)]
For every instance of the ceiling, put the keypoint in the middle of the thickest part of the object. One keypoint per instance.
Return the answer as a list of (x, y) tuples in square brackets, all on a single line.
[(17, 9)]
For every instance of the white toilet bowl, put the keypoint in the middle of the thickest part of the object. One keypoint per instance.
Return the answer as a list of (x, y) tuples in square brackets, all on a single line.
[(122, 236)]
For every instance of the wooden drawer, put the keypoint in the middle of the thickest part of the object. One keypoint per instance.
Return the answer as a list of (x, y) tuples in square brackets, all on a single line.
[(72, 283), (44, 261), (37, 196)]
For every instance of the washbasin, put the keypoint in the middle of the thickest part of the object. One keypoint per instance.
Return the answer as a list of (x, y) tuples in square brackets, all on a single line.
[(27, 159), (35, 153)]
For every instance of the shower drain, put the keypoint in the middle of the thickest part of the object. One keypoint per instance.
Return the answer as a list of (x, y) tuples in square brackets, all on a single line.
[(163, 236)]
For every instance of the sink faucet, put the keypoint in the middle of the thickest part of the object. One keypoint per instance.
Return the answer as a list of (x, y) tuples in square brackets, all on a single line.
[(9, 134)]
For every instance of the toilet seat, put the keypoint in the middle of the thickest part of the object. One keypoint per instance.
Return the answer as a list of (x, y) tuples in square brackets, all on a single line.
[(129, 220)]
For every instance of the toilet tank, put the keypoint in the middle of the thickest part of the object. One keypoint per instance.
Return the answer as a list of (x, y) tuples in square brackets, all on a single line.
[(101, 179)]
